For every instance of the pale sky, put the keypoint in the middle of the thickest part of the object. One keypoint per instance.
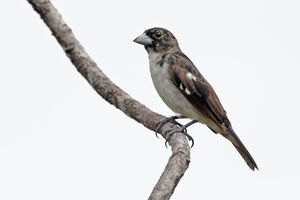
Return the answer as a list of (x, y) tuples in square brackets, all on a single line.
[(60, 140)]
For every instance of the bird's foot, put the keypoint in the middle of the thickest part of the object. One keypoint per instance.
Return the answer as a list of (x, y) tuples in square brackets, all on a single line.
[(166, 120), (182, 130)]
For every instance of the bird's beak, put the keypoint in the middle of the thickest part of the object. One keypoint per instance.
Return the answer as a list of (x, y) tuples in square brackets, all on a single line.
[(143, 39)]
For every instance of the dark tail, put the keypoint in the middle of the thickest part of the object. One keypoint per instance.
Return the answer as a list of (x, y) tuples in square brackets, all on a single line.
[(237, 143)]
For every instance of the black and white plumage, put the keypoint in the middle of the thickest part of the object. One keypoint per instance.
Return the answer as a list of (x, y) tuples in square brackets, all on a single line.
[(182, 87)]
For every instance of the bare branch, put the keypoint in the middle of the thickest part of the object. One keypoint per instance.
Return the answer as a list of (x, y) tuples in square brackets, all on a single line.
[(180, 158)]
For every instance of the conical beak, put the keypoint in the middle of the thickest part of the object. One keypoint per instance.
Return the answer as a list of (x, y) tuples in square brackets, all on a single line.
[(143, 39)]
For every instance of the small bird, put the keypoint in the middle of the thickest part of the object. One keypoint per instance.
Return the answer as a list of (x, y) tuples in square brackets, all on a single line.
[(184, 90)]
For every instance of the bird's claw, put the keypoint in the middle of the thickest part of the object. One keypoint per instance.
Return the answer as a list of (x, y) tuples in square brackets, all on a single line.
[(166, 120), (181, 130)]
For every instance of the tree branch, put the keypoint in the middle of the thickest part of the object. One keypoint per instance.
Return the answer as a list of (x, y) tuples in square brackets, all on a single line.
[(180, 158)]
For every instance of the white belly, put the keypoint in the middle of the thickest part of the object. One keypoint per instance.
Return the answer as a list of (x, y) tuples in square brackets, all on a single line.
[(168, 91)]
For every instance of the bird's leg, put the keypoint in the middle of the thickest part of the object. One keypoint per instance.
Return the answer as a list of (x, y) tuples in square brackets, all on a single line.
[(182, 129), (166, 120)]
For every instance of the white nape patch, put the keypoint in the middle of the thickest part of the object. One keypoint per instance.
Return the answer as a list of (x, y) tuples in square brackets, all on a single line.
[(187, 91), (191, 76), (180, 86)]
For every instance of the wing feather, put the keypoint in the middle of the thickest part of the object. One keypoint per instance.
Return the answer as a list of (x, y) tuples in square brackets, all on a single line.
[(186, 77)]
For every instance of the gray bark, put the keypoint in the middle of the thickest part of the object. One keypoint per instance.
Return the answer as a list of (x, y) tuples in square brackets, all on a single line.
[(180, 158)]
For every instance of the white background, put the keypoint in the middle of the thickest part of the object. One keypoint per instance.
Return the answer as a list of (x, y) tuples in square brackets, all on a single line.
[(60, 140)]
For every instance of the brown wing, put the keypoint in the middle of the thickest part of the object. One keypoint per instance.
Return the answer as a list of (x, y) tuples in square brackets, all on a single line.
[(196, 89), (199, 92)]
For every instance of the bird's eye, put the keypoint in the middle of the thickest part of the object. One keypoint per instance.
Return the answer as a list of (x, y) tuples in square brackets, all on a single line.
[(158, 34)]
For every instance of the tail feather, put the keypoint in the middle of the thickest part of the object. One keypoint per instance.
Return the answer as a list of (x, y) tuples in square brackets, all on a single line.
[(237, 143)]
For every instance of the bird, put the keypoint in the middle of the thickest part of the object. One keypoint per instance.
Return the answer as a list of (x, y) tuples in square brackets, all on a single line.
[(184, 90)]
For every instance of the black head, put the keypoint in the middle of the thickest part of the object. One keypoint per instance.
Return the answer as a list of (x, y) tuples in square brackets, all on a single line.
[(158, 40)]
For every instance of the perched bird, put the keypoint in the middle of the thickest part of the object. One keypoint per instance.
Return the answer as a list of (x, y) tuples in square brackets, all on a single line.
[(184, 90)]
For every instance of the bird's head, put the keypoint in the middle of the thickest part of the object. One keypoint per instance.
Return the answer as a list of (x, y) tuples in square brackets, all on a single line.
[(158, 40)]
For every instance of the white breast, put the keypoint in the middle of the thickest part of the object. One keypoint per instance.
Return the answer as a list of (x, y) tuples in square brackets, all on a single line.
[(168, 91)]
